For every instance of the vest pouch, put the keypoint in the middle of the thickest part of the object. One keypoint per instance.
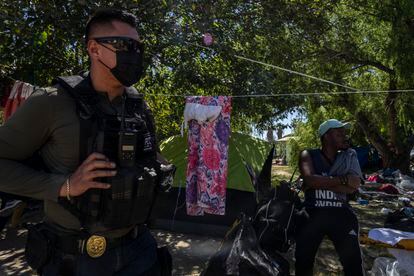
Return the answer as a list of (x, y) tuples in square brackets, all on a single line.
[(146, 182), (89, 206), (118, 200), (39, 247)]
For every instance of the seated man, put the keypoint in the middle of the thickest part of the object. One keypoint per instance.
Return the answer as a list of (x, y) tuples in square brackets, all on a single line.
[(329, 174)]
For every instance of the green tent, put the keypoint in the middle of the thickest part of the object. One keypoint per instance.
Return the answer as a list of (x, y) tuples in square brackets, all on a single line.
[(242, 149)]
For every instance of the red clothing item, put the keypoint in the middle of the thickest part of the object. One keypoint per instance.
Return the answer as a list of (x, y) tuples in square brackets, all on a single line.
[(373, 178), (19, 93), (389, 189)]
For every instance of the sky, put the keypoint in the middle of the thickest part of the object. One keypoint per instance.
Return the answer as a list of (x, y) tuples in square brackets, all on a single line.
[(286, 131)]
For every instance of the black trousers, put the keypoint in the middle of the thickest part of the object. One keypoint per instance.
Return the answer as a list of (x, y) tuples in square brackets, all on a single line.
[(341, 227)]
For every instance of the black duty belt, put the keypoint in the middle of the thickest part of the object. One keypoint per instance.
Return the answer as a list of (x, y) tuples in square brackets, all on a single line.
[(94, 245)]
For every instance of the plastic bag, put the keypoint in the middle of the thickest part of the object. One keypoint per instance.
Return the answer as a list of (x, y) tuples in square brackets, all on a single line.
[(387, 267), (405, 259)]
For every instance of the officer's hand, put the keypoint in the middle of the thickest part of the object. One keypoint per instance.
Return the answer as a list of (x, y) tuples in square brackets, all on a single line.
[(354, 181), (83, 179)]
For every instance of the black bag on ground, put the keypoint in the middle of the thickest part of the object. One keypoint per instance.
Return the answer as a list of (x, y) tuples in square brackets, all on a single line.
[(402, 219), (38, 246)]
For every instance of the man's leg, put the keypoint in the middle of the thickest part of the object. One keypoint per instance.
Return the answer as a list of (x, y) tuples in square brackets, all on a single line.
[(344, 234), (139, 257), (309, 238)]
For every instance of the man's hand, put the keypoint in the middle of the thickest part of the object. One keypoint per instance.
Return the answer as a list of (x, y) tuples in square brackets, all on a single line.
[(96, 165), (353, 181)]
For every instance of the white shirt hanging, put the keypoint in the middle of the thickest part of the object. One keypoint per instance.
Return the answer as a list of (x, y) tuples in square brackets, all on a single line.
[(199, 112)]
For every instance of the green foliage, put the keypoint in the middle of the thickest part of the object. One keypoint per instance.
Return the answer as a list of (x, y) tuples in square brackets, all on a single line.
[(307, 132), (364, 44)]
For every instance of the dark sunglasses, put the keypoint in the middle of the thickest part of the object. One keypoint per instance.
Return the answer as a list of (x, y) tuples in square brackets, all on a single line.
[(122, 43)]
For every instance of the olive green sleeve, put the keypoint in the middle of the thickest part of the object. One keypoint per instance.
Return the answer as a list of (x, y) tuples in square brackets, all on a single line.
[(21, 136)]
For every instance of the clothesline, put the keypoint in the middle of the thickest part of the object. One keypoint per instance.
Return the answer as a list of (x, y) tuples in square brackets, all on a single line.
[(354, 90), (279, 68), (296, 94), (295, 72)]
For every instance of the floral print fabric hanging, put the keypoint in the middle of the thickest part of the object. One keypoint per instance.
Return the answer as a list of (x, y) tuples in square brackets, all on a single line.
[(208, 144)]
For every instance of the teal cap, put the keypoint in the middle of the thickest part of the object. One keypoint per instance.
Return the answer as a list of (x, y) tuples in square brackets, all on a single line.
[(331, 123)]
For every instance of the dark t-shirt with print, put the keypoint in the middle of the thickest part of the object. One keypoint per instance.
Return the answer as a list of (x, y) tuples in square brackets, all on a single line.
[(321, 198)]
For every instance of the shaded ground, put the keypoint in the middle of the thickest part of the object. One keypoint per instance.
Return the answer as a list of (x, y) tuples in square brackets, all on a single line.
[(191, 252), (12, 252)]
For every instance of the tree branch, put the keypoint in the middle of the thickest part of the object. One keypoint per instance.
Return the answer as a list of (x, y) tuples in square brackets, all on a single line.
[(348, 57)]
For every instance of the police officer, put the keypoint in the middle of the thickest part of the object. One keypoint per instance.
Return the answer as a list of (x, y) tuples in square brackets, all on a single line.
[(329, 174), (93, 224)]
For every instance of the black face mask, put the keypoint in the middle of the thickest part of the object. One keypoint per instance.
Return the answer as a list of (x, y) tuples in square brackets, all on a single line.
[(129, 66)]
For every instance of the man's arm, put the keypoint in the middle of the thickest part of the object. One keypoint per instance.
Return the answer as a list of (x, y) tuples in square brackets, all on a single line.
[(20, 137), (314, 181), (26, 132)]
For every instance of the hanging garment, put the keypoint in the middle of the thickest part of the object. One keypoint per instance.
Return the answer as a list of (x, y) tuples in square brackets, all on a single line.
[(201, 113), (208, 141), (19, 93)]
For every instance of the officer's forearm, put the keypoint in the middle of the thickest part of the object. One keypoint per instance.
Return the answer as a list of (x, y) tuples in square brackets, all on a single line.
[(18, 179)]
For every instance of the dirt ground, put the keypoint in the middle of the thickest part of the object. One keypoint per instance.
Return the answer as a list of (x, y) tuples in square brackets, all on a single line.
[(191, 252)]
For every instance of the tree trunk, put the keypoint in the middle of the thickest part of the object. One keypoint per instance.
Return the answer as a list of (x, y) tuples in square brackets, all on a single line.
[(393, 156), (394, 150), (398, 154), (399, 161)]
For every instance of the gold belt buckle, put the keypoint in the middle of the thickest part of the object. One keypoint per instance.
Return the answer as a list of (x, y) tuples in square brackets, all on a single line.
[(95, 246)]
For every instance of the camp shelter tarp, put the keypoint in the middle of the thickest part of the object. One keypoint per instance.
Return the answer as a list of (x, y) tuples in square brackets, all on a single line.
[(242, 149), (169, 210)]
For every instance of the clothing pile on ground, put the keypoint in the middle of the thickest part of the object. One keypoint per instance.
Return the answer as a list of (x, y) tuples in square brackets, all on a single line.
[(401, 247), (388, 183), (397, 236), (398, 231), (392, 185)]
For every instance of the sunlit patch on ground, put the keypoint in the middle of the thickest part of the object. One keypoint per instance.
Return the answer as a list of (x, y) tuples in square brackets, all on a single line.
[(191, 252)]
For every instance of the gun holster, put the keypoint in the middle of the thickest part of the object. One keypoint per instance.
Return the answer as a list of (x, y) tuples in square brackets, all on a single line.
[(39, 247)]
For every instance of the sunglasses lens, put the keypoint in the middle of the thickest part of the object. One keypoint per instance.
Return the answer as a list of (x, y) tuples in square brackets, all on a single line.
[(132, 45), (122, 43)]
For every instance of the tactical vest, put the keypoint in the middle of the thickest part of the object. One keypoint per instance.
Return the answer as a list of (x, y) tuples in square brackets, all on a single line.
[(128, 139)]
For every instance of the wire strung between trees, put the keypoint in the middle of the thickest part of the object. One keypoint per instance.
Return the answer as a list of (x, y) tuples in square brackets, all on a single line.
[(296, 94), (354, 90), (278, 68), (295, 72)]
